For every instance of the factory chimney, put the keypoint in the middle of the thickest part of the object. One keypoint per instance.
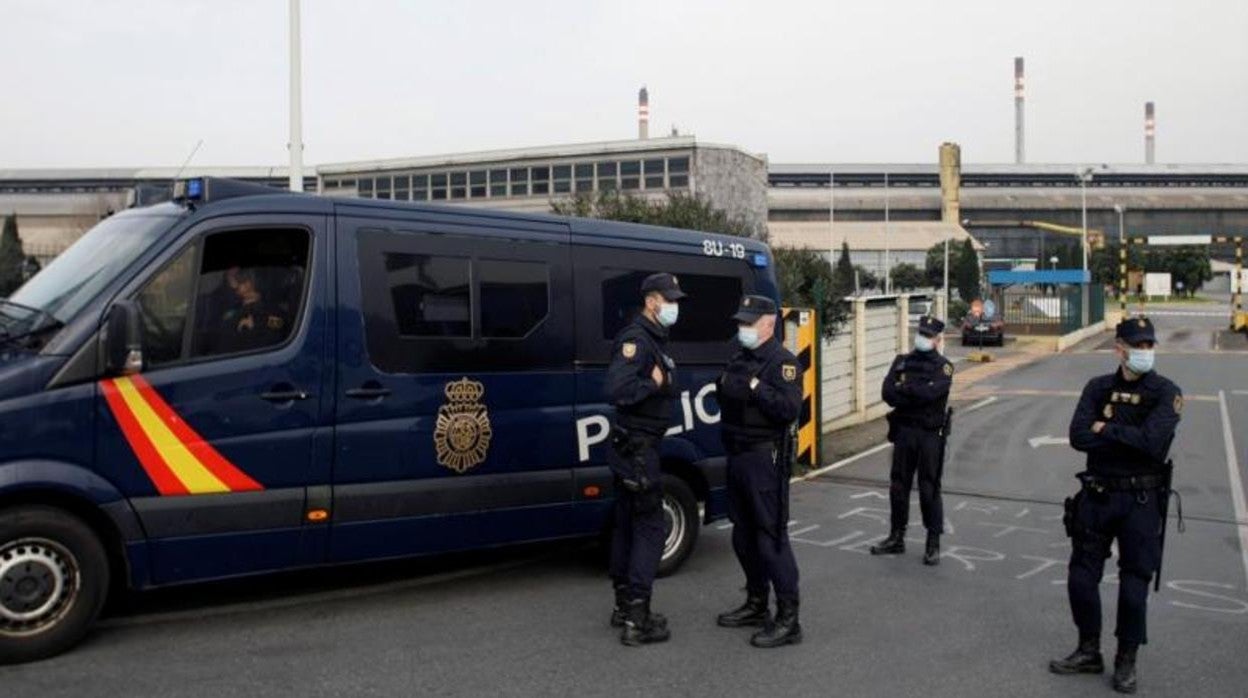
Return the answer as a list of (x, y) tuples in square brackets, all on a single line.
[(643, 114), (1150, 132), (1018, 110), (950, 182)]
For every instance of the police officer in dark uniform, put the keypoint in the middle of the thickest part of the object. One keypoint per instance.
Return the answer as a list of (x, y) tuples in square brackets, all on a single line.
[(760, 396), (917, 388), (252, 323), (1125, 422), (640, 382)]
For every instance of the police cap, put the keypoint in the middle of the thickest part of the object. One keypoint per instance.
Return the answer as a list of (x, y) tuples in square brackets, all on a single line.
[(663, 283), (1134, 330), (930, 326), (754, 307)]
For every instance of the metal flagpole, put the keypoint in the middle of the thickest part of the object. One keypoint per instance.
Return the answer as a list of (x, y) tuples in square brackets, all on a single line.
[(888, 281), (296, 103)]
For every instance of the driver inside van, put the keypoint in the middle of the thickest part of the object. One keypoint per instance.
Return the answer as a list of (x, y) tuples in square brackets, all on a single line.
[(251, 322)]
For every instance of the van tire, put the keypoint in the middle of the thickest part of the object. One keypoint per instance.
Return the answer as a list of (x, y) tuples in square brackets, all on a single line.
[(62, 568), (680, 512)]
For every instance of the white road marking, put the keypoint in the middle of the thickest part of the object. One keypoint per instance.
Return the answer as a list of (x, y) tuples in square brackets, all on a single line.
[(1237, 485), (806, 529), (842, 463), (982, 403), (1046, 440), (1239, 392), (1187, 313)]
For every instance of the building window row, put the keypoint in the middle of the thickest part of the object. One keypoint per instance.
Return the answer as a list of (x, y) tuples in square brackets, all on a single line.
[(648, 174)]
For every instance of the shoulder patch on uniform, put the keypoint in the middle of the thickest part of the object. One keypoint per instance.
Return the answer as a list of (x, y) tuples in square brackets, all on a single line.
[(948, 369), (276, 323), (789, 371), (628, 349), (1178, 403)]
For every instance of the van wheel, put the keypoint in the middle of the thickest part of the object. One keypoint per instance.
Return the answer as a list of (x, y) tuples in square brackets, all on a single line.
[(54, 579), (681, 523)]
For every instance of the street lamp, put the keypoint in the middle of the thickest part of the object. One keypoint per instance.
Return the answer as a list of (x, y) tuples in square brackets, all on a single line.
[(1052, 262), (1085, 176), (1120, 209)]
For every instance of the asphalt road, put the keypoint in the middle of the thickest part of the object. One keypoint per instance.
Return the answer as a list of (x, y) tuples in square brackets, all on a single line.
[(534, 621)]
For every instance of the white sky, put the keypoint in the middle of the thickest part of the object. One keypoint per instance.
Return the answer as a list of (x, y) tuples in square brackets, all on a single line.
[(137, 82)]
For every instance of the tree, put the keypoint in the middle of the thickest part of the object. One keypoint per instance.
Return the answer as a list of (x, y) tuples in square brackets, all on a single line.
[(678, 210), (843, 273), (11, 257), (965, 271), (934, 266), (907, 277), (867, 280), (806, 281)]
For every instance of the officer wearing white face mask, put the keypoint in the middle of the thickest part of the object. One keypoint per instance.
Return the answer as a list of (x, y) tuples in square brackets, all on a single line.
[(917, 388), (1125, 422), (640, 383), (760, 396)]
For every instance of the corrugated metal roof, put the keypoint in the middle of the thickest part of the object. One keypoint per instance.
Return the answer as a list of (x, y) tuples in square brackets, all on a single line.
[(867, 235), (870, 198)]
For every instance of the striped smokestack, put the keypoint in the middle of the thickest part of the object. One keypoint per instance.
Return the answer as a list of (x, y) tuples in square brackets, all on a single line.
[(1018, 110), (643, 114), (1150, 132)]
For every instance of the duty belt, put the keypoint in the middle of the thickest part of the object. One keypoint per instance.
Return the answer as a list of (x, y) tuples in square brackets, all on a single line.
[(1098, 483)]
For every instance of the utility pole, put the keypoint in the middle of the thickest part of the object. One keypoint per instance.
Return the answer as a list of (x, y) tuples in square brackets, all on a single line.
[(888, 280), (296, 103)]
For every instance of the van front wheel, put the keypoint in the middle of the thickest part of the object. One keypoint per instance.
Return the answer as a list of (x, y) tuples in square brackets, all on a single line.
[(53, 582), (680, 522)]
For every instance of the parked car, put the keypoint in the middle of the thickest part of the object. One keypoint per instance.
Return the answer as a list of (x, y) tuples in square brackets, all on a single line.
[(979, 329)]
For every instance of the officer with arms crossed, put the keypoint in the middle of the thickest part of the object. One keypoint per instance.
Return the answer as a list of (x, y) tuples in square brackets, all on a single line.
[(760, 396), (1125, 422), (640, 382), (917, 387)]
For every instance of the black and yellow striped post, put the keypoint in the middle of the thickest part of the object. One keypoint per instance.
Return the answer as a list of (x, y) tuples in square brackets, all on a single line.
[(1239, 320), (801, 336)]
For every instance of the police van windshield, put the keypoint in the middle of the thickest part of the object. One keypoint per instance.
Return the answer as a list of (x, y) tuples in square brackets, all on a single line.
[(74, 278)]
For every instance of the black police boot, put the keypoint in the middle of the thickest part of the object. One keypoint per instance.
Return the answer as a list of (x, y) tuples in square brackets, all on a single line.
[(1084, 660), (931, 554), (784, 630), (752, 613), (895, 544), (620, 612), (1124, 670), (640, 627)]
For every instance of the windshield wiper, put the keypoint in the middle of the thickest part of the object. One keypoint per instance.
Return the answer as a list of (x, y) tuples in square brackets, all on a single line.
[(28, 309), (48, 324)]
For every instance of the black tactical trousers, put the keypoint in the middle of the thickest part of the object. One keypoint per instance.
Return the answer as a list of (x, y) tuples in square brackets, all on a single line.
[(758, 508), (639, 530), (916, 451), (1133, 518)]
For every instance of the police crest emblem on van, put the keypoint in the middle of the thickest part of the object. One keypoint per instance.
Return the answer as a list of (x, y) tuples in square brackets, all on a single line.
[(462, 433)]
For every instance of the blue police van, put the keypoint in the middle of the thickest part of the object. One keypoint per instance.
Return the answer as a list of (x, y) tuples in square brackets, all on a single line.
[(242, 381)]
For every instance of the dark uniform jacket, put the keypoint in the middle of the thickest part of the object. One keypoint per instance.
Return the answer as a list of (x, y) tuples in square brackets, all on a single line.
[(760, 413), (250, 326), (917, 387), (640, 404), (1140, 418)]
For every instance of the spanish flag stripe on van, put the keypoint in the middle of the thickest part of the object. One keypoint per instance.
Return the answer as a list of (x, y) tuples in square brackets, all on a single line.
[(225, 471), (157, 470), (175, 457)]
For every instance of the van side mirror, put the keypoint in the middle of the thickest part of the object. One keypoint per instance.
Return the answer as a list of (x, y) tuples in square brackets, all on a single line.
[(121, 341)]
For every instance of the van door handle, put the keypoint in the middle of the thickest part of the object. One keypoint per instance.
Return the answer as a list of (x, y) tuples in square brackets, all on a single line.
[(286, 395), (369, 391)]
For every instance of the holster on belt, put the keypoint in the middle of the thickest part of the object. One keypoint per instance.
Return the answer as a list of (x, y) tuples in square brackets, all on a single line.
[(630, 467)]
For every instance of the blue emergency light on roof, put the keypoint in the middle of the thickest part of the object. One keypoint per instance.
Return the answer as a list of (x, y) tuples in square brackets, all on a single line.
[(194, 189), (759, 260)]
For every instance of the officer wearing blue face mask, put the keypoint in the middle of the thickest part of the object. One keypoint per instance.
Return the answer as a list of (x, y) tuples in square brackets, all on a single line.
[(1124, 422), (760, 396), (917, 388), (640, 383)]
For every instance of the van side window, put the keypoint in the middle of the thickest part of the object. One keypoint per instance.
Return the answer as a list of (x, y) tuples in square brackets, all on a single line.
[(515, 297), (705, 313), (434, 302), (431, 295), (235, 292)]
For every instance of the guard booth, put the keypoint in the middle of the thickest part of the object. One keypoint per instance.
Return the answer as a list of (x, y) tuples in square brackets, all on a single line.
[(1048, 302), (801, 336)]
